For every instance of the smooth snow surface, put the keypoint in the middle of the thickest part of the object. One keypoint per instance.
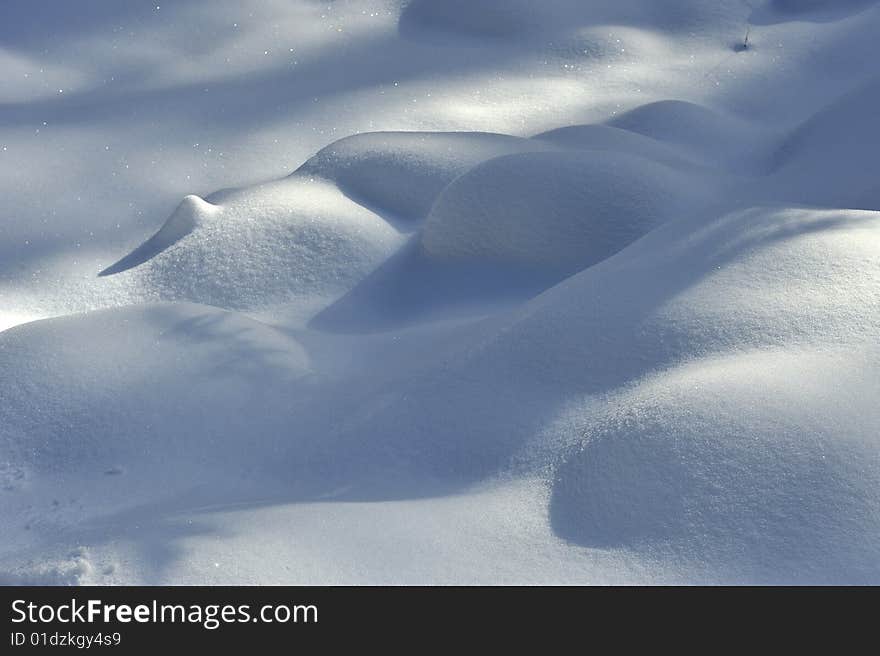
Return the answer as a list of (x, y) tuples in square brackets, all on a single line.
[(440, 291)]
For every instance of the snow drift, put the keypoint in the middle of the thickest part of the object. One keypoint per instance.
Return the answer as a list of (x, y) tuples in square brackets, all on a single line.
[(497, 292)]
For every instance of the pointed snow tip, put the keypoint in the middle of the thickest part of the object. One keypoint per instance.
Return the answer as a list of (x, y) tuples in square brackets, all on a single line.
[(183, 221)]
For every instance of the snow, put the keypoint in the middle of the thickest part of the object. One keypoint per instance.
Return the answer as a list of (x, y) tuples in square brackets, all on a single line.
[(564, 212), (439, 292)]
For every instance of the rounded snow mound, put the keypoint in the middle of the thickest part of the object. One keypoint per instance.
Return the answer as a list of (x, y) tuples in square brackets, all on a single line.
[(560, 212), (757, 467), (830, 158), (399, 174), (759, 278), (698, 130), (313, 234), (762, 280), (152, 394), (263, 245)]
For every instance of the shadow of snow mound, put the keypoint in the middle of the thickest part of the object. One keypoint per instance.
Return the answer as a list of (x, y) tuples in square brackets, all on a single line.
[(798, 6), (411, 287), (869, 200), (758, 467), (518, 19), (474, 18), (820, 11)]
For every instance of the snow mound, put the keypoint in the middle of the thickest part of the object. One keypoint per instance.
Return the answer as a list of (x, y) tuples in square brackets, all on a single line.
[(830, 158), (143, 389), (765, 278), (117, 413), (698, 130), (759, 467), (758, 278), (315, 233), (553, 211), (294, 237), (641, 346), (514, 225), (399, 174)]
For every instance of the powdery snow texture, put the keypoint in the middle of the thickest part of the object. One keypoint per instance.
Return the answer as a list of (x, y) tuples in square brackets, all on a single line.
[(629, 337)]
